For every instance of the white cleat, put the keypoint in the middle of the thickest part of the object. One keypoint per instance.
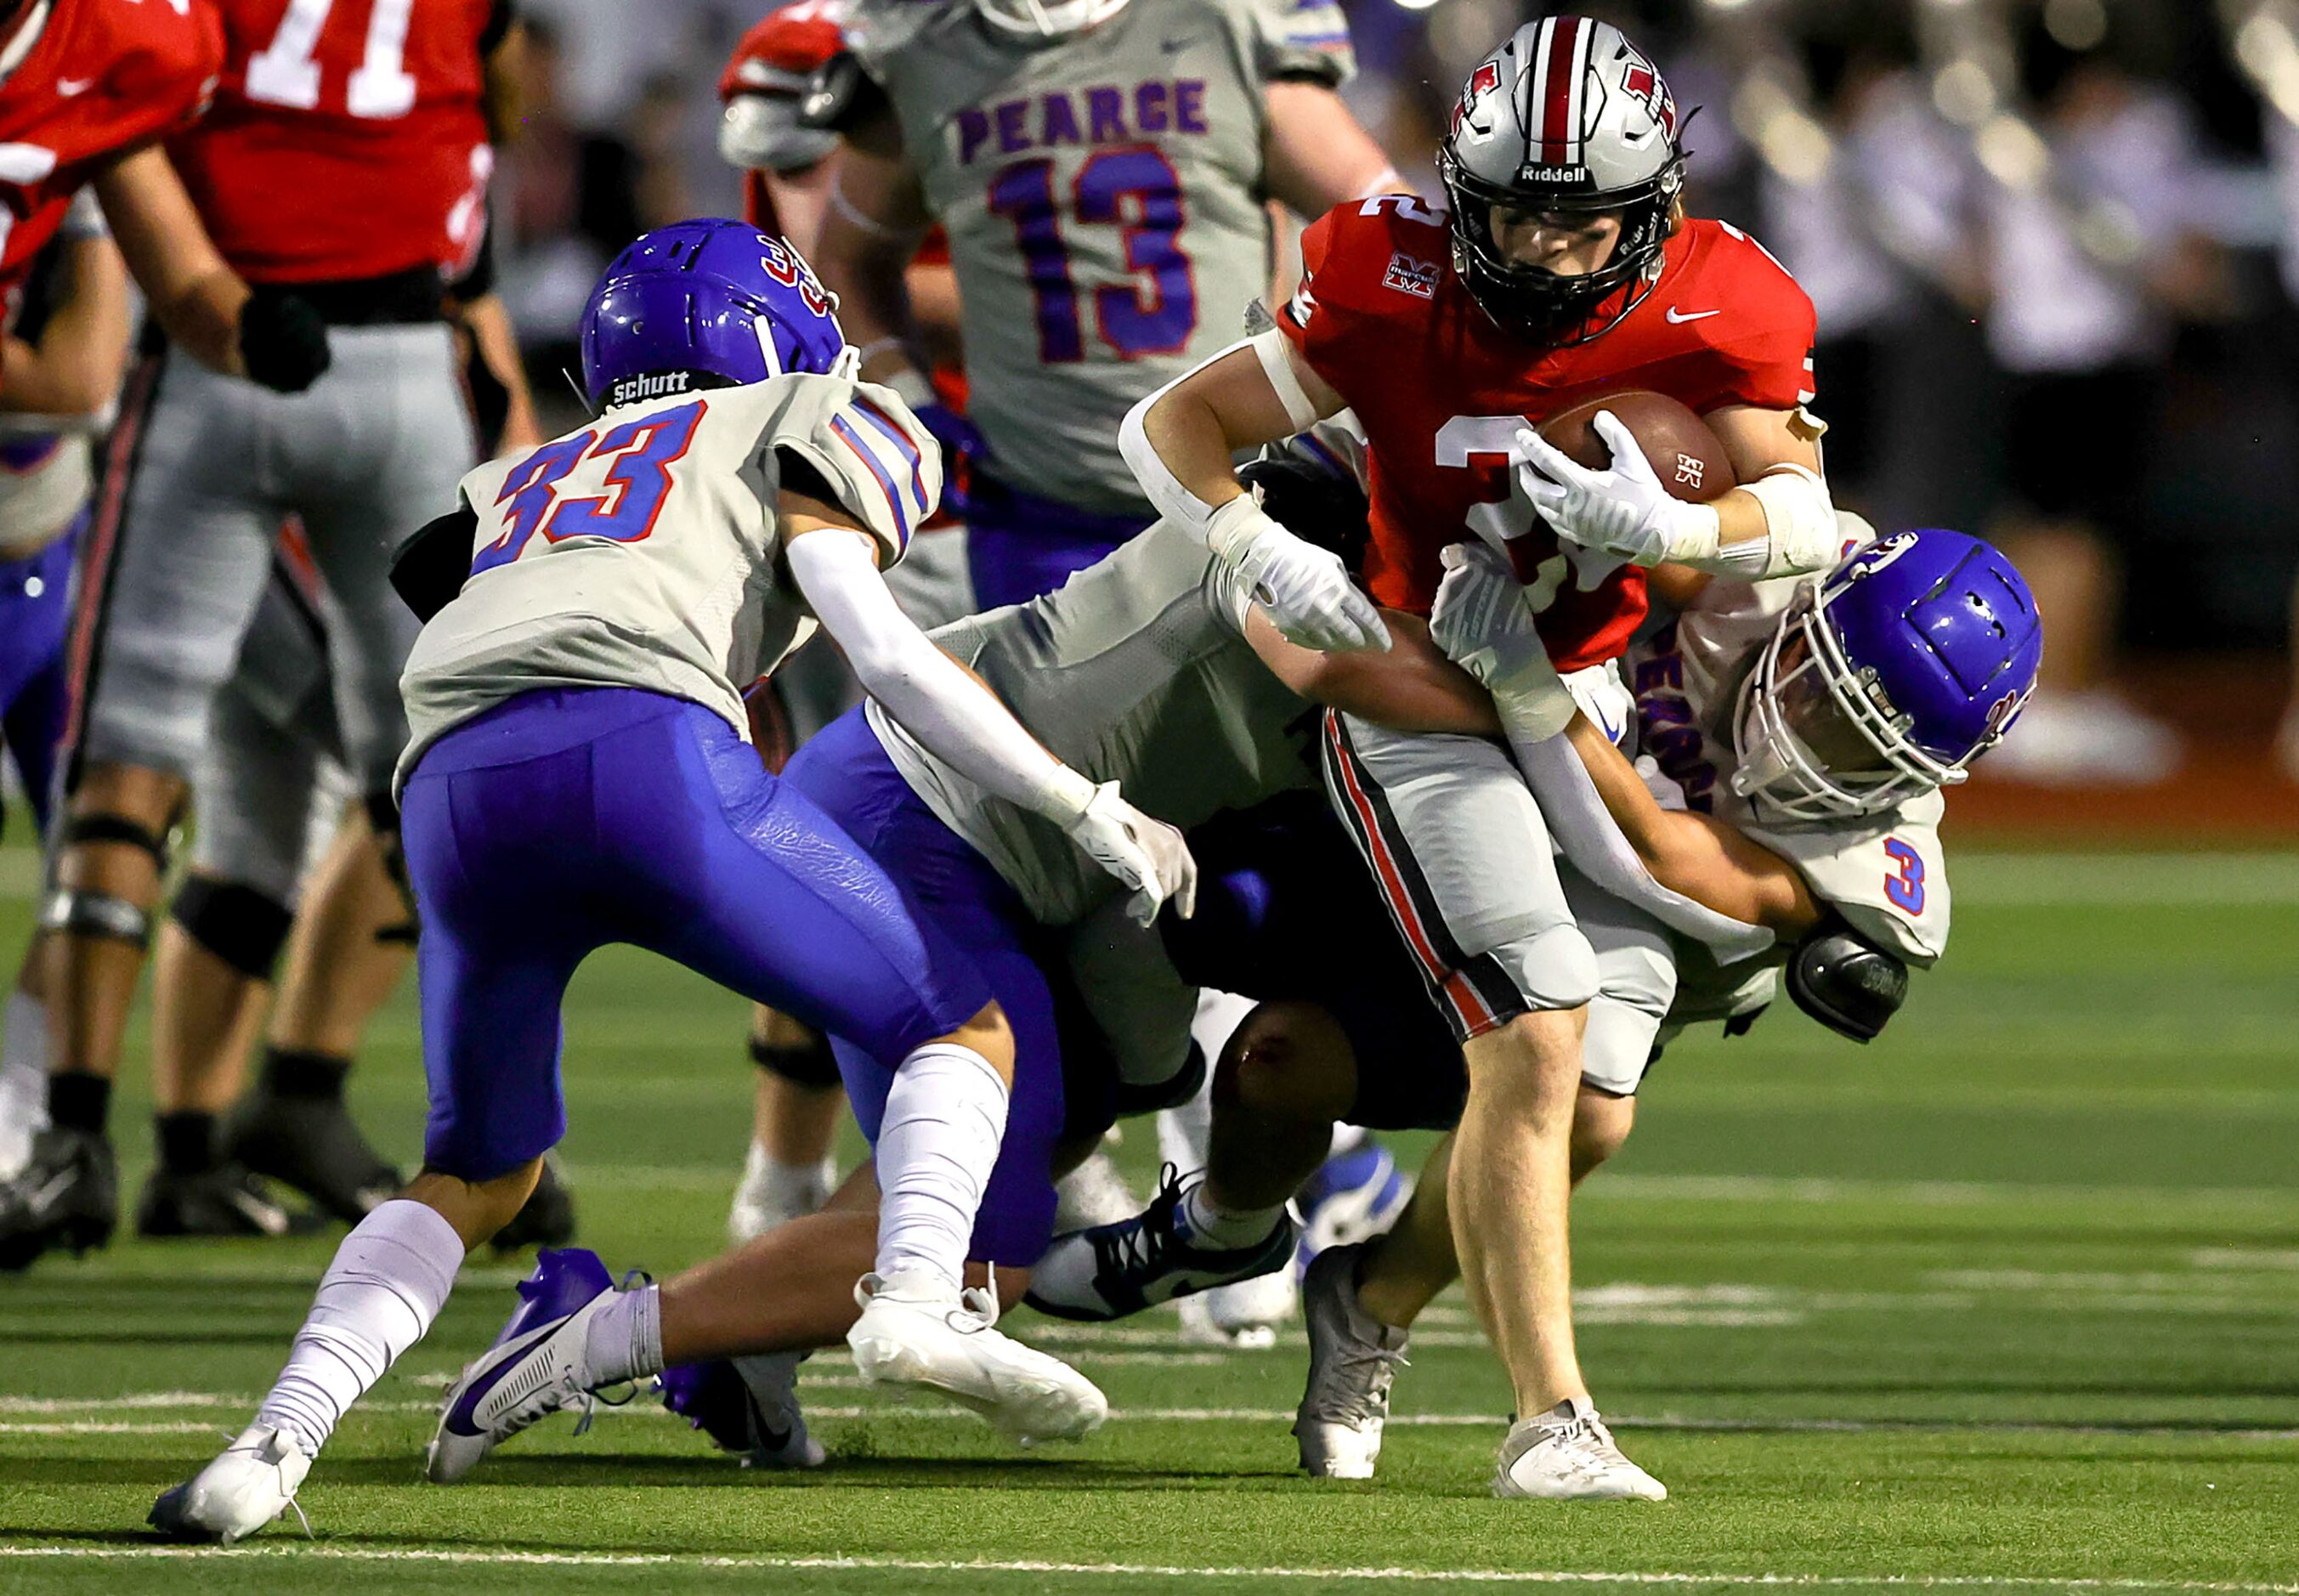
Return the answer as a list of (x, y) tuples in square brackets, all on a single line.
[(772, 1194), (1243, 1315), (538, 1364), (918, 1329), (251, 1482), (1353, 1357), (1566, 1454)]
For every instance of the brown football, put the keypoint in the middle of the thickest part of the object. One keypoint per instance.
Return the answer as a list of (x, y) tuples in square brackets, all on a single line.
[(1685, 454)]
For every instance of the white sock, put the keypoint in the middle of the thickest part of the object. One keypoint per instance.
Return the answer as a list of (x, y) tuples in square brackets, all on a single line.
[(944, 1120), (1185, 1134), (1226, 1229), (793, 1188), (387, 1283), (1348, 1138), (23, 1078), (624, 1340)]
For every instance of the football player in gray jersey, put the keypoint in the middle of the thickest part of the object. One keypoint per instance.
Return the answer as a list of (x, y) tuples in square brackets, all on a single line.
[(1103, 171)]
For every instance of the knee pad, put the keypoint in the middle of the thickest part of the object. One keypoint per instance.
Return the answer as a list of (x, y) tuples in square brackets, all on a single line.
[(809, 1064), (119, 828), (1553, 969), (76, 913), (239, 925), (383, 820)]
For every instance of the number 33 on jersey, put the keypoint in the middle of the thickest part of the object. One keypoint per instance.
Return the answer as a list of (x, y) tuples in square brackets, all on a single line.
[(370, 114)]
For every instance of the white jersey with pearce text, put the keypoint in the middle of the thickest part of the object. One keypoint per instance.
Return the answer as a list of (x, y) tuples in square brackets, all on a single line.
[(1884, 873), (642, 551)]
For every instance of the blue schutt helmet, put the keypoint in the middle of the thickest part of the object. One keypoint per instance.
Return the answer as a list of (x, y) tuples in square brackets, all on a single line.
[(1887, 678), (703, 304)]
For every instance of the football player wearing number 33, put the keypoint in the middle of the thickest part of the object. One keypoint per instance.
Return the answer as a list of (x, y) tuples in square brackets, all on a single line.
[(579, 774), (1565, 269)]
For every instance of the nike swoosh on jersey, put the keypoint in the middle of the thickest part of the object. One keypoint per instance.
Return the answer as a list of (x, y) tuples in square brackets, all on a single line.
[(1677, 318)]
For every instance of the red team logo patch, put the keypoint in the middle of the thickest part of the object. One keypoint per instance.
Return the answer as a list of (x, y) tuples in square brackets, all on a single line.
[(1485, 80), (1643, 84)]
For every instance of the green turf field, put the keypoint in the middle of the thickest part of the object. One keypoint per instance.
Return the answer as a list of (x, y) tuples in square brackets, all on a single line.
[(2010, 1298)]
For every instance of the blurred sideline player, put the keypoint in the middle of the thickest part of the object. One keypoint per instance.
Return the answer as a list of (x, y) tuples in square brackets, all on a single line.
[(1566, 268), (577, 778), (376, 121), (1103, 171), (789, 1169), (1812, 810), (65, 350)]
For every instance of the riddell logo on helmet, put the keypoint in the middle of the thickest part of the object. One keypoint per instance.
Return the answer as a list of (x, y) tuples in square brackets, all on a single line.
[(659, 385), (1552, 174)]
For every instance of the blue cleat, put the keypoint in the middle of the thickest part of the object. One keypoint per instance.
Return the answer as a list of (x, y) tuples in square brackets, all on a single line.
[(1114, 1270), (1353, 1197), (538, 1364), (747, 1405)]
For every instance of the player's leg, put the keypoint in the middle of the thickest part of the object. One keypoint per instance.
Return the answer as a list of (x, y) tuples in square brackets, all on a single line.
[(789, 1170), (189, 567), (505, 862), (1465, 862), (1019, 545)]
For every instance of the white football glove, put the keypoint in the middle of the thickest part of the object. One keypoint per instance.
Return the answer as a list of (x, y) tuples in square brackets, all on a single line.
[(1622, 510), (1306, 590), (1482, 622), (1146, 854)]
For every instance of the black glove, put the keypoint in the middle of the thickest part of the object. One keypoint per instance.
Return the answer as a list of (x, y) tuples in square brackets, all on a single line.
[(283, 342)]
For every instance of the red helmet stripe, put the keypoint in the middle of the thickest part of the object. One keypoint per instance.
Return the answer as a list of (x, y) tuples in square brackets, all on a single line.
[(1560, 131)]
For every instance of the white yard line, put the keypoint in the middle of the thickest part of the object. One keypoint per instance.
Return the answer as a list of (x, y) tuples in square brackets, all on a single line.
[(283, 1550)]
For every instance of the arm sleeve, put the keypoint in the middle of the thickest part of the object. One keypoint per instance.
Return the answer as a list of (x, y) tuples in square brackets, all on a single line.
[(430, 567), (1303, 41), (954, 717), (1593, 844)]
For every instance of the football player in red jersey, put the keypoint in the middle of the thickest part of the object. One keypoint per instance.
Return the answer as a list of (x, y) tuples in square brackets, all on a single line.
[(1565, 269), (372, 118)]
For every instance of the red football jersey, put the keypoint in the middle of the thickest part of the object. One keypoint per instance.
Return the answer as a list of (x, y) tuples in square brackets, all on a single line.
[(1440, 391), (348, 138), (102, 81)]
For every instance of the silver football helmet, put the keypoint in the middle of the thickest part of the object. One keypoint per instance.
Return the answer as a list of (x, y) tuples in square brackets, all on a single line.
[(1568, 117), (1046, 19)]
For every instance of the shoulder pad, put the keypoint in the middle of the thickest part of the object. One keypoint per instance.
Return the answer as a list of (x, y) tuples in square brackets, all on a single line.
[(882, 466), (1849, 985)]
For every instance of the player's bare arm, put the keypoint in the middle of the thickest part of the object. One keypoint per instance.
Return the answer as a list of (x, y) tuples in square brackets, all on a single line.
[(960, 719), (1317, 154), (73, 371), (488, 322), (876, 214), (1411, 687), (205, 306)]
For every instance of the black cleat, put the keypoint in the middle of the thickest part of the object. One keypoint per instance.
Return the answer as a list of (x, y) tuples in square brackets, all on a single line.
[(313, 1144), (225, 1200), (66, 1198), (548, 1218)]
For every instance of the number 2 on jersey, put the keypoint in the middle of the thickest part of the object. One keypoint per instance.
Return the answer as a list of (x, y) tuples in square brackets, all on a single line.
[(639, 482), (1137, 191), (287, 72)]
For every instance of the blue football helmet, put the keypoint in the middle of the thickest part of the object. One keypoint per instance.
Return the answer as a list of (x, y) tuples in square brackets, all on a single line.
[(703, 304), (1887, 677)]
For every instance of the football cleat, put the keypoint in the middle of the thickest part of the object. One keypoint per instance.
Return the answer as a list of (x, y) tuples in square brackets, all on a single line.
[(65, 1198), (768, 1197), (1117, 1270), (747, 1405), (1353, 1357), (1243, 1315), (252, 1482), (311, 1144), (919, 1329), (537, 1365), (547, 1217), (1353, 1197), (225, 1200), (1093, 1194), (1566, 1454)]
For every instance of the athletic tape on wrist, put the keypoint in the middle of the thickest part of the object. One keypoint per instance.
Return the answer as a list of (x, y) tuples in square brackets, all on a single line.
[(1800, 521)]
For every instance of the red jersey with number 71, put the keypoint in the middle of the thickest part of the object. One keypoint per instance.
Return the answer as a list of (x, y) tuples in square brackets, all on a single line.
[(103, 78), (1440, 391), (348, 139)]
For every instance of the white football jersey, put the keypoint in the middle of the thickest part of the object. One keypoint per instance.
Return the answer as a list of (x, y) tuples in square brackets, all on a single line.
[(644, 550), (1884, 873)]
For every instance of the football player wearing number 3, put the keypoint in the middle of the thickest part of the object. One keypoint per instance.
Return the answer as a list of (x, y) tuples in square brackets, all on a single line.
[(1566, 268), (1102, 171), (341, 170)]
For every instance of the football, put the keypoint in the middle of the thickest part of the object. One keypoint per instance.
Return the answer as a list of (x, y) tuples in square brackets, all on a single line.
[(1688, 456)]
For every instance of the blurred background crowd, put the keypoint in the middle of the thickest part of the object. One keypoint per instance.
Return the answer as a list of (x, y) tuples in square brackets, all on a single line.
[(2054, 245)]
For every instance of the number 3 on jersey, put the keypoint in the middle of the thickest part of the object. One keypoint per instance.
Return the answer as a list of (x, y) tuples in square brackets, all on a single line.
[(1906, 888), (1135, 190), (638, 483)]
